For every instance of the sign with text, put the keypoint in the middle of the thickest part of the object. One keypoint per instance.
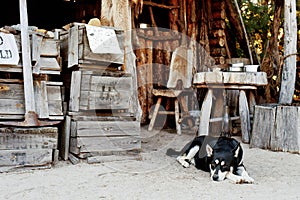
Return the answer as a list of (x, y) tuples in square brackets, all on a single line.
[(9, 54), (102, 40)]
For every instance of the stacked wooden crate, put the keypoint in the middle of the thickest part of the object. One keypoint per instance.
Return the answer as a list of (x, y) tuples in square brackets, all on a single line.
[(31, 146), (101, 119)]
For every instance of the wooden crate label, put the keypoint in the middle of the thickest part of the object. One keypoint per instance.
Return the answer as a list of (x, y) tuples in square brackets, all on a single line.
[(25, 140), (25, 157)]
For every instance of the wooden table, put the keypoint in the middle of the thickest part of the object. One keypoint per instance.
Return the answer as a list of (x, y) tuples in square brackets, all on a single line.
[(240, 81)]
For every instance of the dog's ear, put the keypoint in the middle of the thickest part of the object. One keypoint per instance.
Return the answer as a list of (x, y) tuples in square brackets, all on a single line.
[(209, 150), (236, 151)]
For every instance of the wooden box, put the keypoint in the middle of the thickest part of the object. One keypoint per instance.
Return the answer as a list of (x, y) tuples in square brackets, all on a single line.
[(104, 136), (21, 147), (93, 91), (48, 99), (276, 127), (76, 50), (45, 55)]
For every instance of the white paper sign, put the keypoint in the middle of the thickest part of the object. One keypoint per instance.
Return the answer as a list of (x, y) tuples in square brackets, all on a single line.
[(9, 54), (102, 40)]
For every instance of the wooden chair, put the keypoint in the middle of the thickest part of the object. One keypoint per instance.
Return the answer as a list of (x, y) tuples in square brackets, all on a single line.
[(179, 85)]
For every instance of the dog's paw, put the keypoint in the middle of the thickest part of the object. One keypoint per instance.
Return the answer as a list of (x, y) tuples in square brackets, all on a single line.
[(239, 179), (183, 162), (247, 180)]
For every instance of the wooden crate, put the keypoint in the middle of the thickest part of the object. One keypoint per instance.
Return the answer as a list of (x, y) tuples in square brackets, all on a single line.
[(27, 147), (91, 90), (76, 51), (103, 135), (45, 55), (48, 99)]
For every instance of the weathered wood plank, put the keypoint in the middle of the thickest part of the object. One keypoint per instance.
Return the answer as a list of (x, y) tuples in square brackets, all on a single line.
[(36, 47), (257, 78), (46, 63), (263, 126), (55, 108), (75, 91), (41, 102), (29, 138), (286, 137), (107, 128), (11, 91), (98, 144), (205, 114), (73, 46), (23, 157), (53, 92), (244, 116), (12, 106), (65, 139)]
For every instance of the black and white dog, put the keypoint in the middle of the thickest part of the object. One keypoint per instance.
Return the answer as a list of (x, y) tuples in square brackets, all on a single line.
[(221, 156)]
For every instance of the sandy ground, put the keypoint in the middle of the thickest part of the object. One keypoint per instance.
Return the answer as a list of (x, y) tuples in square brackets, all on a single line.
[(156, 176)]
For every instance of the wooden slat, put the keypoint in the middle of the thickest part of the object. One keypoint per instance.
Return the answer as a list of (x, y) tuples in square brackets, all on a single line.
[(244, 116), (41, 102), (12, 106), (46, 63), (11, 117), (65, 139), (104, 144), (286, 136), (263, 126), (55, 108), (53, 92), (10, 141), (36, 47), (11, 91), (73, 47), (75, 91), (107, 128), (205, 114), (244, 78), (25, 157)]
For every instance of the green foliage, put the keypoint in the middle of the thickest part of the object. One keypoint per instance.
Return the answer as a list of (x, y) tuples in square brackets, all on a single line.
[(258, 20)]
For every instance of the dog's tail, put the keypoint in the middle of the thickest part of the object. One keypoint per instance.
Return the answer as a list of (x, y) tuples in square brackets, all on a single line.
[(173, 153)]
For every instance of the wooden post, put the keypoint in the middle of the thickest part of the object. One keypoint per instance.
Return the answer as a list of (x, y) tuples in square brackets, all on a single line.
[(26, 59), (149, 58), (290, 48), (141, 76)]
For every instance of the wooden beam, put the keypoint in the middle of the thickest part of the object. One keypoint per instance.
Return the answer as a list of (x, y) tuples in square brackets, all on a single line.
[(149, 3)]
